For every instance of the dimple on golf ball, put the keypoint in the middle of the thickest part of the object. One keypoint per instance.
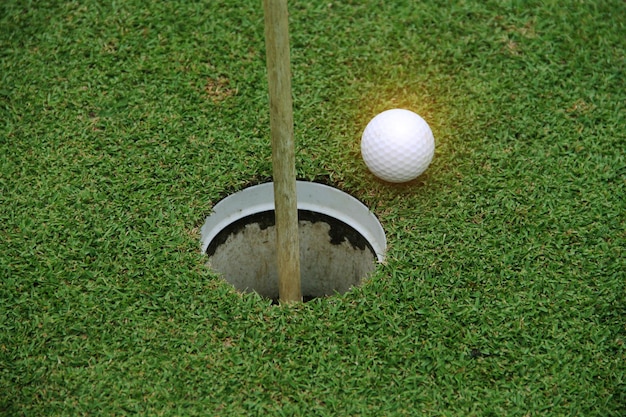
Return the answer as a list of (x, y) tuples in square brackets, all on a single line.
[(397, 145)]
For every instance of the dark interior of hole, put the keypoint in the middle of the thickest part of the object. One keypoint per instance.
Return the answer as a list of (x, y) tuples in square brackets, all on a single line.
[(338, 232), (305, 299)]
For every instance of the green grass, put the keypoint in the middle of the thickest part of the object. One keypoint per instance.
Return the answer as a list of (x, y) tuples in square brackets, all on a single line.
[(503, 293)]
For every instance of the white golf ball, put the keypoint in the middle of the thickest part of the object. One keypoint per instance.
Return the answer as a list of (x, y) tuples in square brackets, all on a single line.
[(397, 145)]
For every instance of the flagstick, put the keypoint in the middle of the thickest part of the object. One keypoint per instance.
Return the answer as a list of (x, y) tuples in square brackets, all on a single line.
[(283, 150)]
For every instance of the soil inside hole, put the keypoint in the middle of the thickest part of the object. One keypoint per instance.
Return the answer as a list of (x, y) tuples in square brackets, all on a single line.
[(334, 256)]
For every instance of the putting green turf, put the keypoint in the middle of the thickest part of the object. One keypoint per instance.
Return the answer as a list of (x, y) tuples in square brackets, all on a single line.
[(503, 293)]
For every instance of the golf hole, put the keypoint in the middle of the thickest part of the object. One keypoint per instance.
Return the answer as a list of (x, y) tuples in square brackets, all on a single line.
[(340, 240)]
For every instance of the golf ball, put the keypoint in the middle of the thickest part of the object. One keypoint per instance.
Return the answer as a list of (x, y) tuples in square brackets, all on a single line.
[(397, 145)]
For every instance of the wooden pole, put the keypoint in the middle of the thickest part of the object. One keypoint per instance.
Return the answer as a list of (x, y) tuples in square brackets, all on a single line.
[(283, 150)]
